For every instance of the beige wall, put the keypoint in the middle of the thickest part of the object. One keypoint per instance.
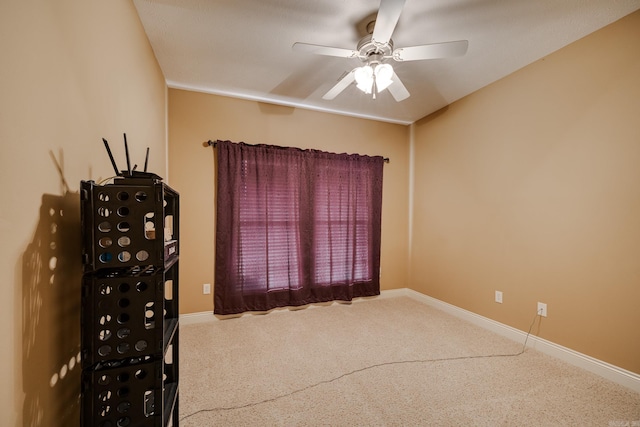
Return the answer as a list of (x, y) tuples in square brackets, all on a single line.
[(73, 71), (531, 186), (197, 117)]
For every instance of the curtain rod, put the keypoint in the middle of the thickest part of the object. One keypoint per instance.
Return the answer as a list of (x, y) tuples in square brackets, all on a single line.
[(213, 144)]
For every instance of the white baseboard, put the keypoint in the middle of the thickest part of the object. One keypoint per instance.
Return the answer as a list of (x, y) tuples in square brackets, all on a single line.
[(208, 316), (606, 370), (202, 317)]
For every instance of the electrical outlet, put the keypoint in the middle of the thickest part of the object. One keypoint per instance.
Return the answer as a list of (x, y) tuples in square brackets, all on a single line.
[(206, 288), (542, 309), (499, 297)]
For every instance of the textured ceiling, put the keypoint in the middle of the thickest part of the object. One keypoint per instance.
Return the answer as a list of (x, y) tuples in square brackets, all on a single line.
[(242, 48)]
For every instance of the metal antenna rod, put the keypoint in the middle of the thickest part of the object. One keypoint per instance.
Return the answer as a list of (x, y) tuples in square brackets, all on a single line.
[(126, 150), (146, 160), (113, 162)]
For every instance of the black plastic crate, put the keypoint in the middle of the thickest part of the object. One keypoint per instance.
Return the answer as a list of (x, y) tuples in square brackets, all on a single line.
[(129, 223), (130, 394), (128, 313)]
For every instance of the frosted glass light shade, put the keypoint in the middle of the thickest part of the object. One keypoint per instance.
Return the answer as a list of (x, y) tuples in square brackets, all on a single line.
[(364, 78), (383, 75)]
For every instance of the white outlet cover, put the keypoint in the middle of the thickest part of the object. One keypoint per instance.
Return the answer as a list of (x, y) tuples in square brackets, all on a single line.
[(499, 297), (542, 309)]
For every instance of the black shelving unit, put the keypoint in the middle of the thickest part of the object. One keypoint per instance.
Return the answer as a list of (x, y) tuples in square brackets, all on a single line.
[(129, 336)]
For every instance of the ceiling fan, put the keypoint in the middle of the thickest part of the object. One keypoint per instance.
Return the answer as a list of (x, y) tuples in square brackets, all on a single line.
[(376, 49)]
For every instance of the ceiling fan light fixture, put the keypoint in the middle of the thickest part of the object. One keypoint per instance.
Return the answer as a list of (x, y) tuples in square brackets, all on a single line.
[(376, 78)]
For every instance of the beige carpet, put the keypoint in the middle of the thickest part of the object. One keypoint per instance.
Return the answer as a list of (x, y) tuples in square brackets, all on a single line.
[(382, 362)]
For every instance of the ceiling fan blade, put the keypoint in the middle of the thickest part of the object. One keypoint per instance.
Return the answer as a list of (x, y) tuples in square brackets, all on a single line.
[(386, 21), (324, 50), (397, 89), (431, 51), (341, 85)]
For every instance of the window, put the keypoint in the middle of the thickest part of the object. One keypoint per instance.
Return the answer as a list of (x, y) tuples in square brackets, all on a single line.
[(295, 227), (342, 229), (269, 241)]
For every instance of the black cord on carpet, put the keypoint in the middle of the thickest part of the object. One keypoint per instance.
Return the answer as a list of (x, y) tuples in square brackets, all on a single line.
[(377, 365)]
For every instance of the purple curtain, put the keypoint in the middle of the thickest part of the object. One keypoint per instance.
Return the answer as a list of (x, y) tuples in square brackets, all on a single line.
[(295, 227)]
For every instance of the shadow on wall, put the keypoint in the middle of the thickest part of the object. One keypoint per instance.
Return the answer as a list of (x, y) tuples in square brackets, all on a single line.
[(51, 283)]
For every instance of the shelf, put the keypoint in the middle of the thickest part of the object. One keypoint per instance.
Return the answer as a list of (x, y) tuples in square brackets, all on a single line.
[(130, 332)]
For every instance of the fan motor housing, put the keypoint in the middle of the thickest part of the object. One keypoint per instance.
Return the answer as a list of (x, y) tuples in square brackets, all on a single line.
[(367, 48)]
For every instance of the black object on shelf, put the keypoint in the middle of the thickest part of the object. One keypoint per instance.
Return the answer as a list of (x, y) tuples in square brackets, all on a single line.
[(130, 336)]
